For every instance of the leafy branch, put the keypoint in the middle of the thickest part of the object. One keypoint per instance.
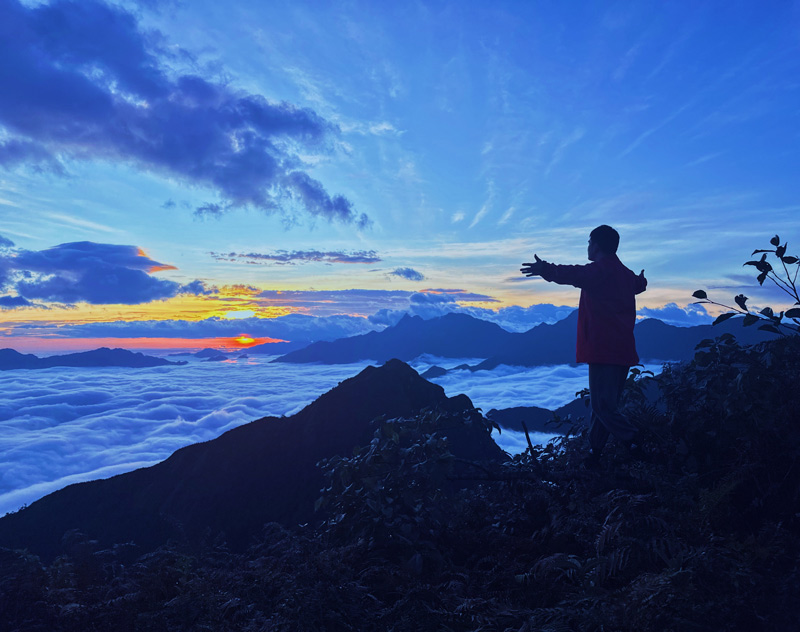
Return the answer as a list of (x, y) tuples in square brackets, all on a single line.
[(770, 321)]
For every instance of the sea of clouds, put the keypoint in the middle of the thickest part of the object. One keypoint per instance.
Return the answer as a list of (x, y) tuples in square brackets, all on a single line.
[(67, 425)]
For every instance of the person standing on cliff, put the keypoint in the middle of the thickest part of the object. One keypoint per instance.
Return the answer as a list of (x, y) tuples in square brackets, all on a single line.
[(606, 316)]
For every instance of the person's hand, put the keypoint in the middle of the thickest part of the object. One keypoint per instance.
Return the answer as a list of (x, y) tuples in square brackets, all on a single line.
[(533, 269)]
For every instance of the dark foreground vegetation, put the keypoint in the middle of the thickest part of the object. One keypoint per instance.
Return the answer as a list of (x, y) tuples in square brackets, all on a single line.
[(701, 535)]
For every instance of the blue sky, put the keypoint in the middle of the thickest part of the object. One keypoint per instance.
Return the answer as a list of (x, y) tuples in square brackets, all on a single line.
[(342, 163)]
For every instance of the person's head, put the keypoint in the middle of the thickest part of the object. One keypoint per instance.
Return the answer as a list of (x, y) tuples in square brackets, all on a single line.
[(603, 241)]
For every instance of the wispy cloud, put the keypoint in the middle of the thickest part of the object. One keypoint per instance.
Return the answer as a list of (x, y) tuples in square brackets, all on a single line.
[(284, 257), (479, 215), (655, 128), (506, 216), (89, 226), (560, 150)]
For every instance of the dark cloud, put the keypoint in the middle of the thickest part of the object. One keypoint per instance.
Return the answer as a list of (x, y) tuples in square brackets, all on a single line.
[(424, 298), (331, 302), (89, 272), (6, 243), (16, 152), (303, 256), (316, 200), (671, 314), (198, 288), (88, 83), (10, 302), (407, 273)]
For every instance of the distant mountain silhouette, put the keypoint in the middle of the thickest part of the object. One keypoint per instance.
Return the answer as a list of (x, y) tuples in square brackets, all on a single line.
[(264, 471), (451, 336), (462, 336), (11, 359), (276, 348), (208, 353), (538, 419), (655, 341)]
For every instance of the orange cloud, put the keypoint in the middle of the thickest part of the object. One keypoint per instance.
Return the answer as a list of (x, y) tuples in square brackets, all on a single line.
[(158, 267)]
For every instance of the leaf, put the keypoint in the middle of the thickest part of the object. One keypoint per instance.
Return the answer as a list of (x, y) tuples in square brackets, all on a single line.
[(750, 319), (741, 301), (757, 251), (723, 317), (761, 264), (775, 240), (789, 259), (793, 313), (700, 294), (771, 328), (762, 277), (767, 311), (780, 251)]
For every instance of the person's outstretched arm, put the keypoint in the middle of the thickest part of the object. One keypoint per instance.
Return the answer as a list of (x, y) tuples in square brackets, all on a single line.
[(578, 276), (533, 269)]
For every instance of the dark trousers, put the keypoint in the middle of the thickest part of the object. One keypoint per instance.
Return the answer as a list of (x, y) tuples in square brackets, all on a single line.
[(606, 382)]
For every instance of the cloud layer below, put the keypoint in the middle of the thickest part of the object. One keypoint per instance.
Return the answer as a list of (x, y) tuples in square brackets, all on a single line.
[(60, 426)]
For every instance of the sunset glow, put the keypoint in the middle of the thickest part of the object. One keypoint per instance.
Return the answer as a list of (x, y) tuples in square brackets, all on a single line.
[(46, 345)]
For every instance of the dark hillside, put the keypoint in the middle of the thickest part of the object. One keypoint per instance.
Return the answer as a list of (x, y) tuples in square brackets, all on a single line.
[(264, 471)]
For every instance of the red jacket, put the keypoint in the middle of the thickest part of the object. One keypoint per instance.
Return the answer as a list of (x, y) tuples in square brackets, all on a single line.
[(607, 309)]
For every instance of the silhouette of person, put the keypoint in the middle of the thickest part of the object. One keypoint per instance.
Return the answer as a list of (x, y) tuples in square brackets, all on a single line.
[(606, 316)]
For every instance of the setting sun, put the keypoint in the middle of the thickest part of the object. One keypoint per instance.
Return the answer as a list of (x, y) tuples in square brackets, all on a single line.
[(244, 340)]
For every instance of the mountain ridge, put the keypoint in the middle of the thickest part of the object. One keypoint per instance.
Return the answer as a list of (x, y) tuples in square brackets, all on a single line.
[(264, 471), (463, 336), (11, 359)]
